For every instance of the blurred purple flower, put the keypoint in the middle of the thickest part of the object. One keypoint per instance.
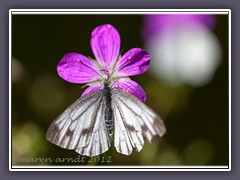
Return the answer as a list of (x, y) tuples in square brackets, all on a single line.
[(184, 50), (109, 64), (153, 24)]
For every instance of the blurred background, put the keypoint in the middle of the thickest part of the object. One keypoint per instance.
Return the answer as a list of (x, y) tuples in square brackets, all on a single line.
[(186, 84)]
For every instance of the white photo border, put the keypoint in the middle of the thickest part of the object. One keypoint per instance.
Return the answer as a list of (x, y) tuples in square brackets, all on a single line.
[(121, 12)]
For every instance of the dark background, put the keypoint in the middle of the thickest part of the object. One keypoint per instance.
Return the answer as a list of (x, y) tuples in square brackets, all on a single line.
[(197, 125)]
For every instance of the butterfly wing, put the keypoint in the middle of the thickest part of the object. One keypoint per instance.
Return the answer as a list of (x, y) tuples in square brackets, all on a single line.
[(81, 126), (133, 121)]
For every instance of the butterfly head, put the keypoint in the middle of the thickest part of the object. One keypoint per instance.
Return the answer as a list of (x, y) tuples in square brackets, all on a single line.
[(106, 77), (106, 83)]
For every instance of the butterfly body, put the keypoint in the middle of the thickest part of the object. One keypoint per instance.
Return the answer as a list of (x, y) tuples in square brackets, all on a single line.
[(108, 113), (104, 117)]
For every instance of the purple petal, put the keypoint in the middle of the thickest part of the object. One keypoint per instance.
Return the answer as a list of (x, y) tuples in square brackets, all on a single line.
[(91, 89), (135, 61), (105, 43), (131, 87), (76, 68)]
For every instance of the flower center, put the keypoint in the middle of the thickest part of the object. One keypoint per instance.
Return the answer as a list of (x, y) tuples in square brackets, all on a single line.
[(105, 72)]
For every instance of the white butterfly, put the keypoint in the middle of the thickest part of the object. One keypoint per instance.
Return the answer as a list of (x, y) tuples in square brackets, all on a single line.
[(92, 122)]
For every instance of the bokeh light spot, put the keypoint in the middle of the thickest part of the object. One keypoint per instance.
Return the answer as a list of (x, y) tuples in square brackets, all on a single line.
[(17, 70), (198, 152), (148, 154), (27, 142), (47, 93), (169, 156)]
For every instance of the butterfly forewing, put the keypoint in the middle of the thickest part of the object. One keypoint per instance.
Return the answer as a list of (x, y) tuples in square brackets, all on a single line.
[(81, 126), (133, 120)]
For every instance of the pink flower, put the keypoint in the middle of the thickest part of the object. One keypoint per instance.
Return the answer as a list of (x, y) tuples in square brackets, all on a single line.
[(109, 64)]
